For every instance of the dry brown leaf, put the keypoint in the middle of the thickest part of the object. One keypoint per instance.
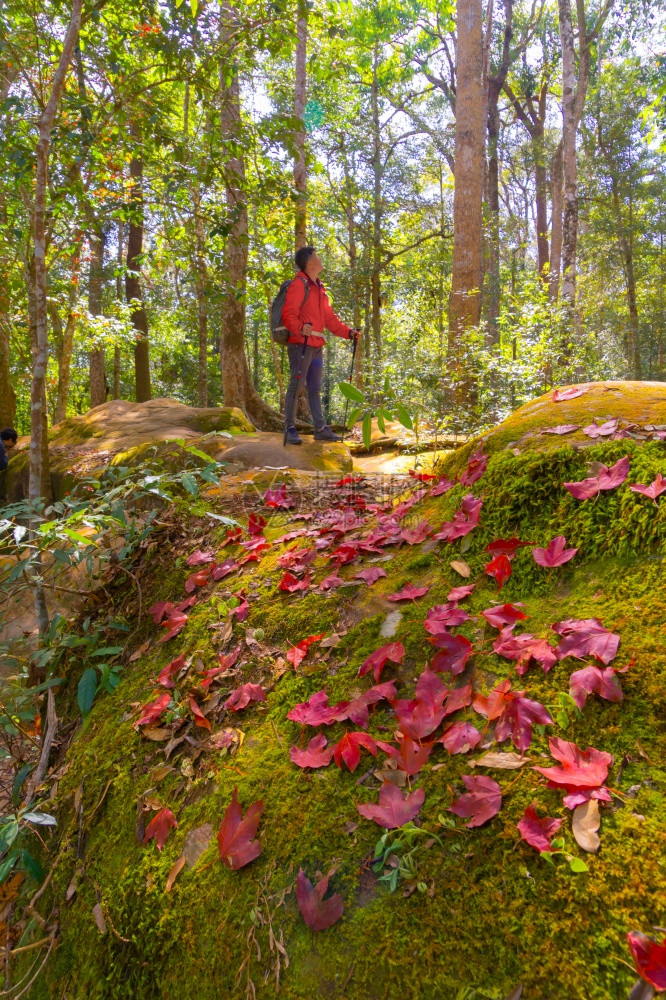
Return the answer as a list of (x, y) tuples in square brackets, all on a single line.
[(586, 822), (505, 761), (98, 917), (157, 733), (174, 873), (139, 652), (196, 843), (159, 773), (461, 567)]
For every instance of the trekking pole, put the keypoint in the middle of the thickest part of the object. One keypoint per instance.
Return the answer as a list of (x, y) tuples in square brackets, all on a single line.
[(351, 375), (287, 423)]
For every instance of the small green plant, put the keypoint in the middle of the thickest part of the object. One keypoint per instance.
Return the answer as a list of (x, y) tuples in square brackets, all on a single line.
[(395, 854), (575, 864), (13, 829), (564, 708), (389, 408)]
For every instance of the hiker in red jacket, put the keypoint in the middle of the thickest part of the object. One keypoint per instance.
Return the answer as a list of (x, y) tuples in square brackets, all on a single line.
[(306, 318)]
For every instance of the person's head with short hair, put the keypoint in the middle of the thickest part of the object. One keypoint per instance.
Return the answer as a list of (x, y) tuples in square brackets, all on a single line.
[(307, 260), (9, 436)]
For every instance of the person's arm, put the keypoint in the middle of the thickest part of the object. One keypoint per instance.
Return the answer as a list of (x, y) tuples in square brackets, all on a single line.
[(334, 323), (292, 307), (4, 461)]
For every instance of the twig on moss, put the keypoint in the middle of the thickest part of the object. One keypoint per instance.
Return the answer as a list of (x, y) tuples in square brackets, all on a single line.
[(51, 729)]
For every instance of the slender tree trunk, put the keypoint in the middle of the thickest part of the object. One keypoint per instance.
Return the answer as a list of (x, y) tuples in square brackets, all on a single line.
[(132, 275), (96, 242), (632, 348), (237, 386), (541, 204), (465, 298), (201, 293), (557, 206), (300, 167), (376, 209), (64, 354), (569, 127), (7, 394), (119, 296)]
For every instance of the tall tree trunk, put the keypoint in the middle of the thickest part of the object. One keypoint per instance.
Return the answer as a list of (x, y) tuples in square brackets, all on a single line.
[(132, 275), (465, 298), (201, 292), (38, 416), (237, 386), (569, 127), (632, 348), (64, 353), (8, 73), (96, 241), (557, 207), (375, 280), (119, 296), (300, 87)]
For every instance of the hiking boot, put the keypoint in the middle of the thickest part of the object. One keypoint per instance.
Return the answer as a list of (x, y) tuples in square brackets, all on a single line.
[(326, 434), (292, 436)]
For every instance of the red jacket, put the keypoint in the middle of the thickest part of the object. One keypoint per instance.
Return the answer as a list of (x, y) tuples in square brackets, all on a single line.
[(316, 310)]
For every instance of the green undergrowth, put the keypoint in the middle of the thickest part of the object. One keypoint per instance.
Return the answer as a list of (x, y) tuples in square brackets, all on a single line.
[(490, 913)]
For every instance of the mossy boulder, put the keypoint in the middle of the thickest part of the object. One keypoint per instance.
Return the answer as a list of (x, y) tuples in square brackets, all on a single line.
[(481, 911)]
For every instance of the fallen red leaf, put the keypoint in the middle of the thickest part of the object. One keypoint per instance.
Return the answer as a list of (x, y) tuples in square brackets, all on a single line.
[(476, 466), (408, 593), (505, 546), (315, 755), (420, 716), (561, 429), (464, 520), (418, 534), (423, 477), (291, 583), (560, 395), (235, 839), (199, 558), (595, 430), (586, 637), (453, 652), (606, 479), (460, 737), (594, 680), (654, 490), (199, 718), (650, 959), (393, 809), (443, 486), (159, 827), (555, 554), (347, 751), (504, 614), (174, 624), (159, 610), (165, 676), (393, 651), (579, 769), (370, 575), (481, 802), (500, 569), (331, 581), (218, 571), (316, 711), (243, 695), (357, 710), (318, 913), (458, 698), (460, 593), (514, 713), (298, 652), (444, 616), (152, 710), (409, 755), (537, 832), (278, 497), (256, 524)]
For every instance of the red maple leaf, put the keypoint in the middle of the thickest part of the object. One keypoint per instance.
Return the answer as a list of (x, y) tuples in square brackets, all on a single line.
[(453, 652), (593, 679), (560, 429), (505, 546), (458, 698), (235, 838), (464, 520), (344, 554), (409, 755), (584, 489), (418, 534), (166, 675), (318, 913), (393, 809), (370, 575), (500, 569), (460, 593), (654, 490), (199, 558), (159, 610), (408, 593), (606, 479), (537, 832), (460, 737), (586, 637), (650, 959), (199, 718), (256, 524), (475, 467), (315, 755), (298, 652), (423, 477), (555, 554), (348, 749), (218, 571), (560, 395), (504, 614), (231, 536), (331, 581), (291, 583), (595, 430), (174, 624), (316, 711), (278, 497), (443, 486), (159, 827), (297, 558), (393, 651), (515, 714), (481, 802), (420, 716), (444, 616), (579, 769), (357, 710), (152, 710), (242, 610), (243, 695)]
